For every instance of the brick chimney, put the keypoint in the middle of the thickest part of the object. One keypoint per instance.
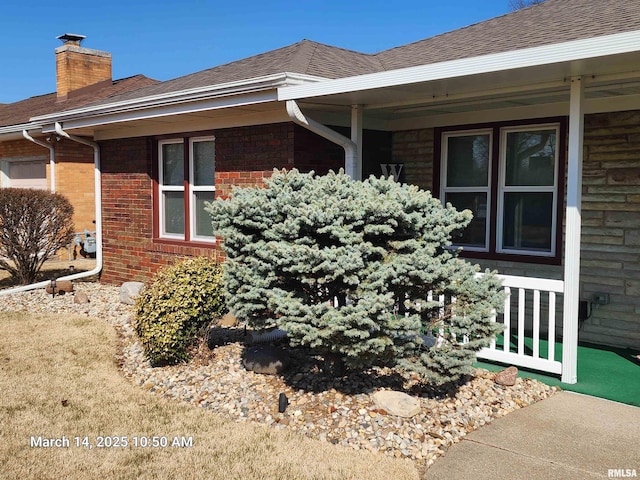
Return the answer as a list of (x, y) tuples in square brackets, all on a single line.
[(78, 67)]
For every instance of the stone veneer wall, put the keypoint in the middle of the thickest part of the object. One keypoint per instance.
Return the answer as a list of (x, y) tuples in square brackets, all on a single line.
[(611, 227), (610, 223)]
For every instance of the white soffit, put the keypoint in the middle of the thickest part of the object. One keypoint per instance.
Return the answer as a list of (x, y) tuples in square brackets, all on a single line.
[(608, 54), (172, 110)]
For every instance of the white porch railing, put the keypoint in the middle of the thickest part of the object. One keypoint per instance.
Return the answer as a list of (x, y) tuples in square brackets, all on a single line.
[(527, 317)]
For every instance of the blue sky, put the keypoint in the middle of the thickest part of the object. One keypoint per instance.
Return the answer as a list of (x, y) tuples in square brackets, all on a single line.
[(168, 39)]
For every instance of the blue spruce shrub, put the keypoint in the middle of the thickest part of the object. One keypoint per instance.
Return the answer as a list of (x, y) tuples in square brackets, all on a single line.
[(357, 269)]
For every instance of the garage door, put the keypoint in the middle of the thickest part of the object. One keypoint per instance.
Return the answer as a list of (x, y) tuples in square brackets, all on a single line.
[(32, 174)]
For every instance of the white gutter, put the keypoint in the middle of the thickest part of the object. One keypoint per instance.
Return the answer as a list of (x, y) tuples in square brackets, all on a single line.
[(14, 132), (52, 158), (350, 148), (252, 85), (98, 207), (572, 51), (147, 113)]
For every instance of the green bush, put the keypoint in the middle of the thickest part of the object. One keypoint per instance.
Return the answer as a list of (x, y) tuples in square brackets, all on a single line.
[(171, 310), (347, 267)]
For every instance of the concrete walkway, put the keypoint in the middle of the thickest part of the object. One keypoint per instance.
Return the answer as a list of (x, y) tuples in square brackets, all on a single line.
[(568, 436)]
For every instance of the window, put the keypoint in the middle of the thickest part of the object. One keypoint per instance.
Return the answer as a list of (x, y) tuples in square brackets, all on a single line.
[(186, 180), (23, 174), (467, 179), (508, 177)]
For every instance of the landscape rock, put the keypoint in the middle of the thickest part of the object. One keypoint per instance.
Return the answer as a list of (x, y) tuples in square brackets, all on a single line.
[(62, 287), (266, 359), (332, 409), (228, 320), (80, 297), (506, 377), (397, 403), (129, 292)]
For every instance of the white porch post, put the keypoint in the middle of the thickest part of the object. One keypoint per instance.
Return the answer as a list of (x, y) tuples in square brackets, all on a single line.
[(572, 237), (356, 137)]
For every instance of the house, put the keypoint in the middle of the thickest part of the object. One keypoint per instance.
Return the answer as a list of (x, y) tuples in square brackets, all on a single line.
[(31, 159), (531, 120)]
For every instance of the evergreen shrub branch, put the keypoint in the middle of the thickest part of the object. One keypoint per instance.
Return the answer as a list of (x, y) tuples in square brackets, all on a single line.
[(347, 267)]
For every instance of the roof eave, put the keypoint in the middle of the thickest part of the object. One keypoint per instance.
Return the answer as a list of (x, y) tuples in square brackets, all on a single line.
[(572, 51), (247, 86), (14, 132)]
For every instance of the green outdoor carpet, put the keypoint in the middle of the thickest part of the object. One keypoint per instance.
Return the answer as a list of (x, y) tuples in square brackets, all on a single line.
[(605, 372)]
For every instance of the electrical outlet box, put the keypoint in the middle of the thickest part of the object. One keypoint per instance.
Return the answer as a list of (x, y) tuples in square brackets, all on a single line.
[(601, 298)]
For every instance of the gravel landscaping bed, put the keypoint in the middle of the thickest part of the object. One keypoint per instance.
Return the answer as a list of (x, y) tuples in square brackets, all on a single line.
[(336, 410)]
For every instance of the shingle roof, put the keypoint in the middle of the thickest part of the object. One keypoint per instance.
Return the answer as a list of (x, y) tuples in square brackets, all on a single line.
[(552, 21), (305, 57), (20, 112)]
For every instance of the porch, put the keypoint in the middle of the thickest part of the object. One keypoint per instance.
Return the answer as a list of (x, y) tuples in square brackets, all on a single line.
[(567, 80), (604, 372)]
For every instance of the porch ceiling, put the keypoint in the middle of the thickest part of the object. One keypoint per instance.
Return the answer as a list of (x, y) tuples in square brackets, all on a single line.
[(605, 77)]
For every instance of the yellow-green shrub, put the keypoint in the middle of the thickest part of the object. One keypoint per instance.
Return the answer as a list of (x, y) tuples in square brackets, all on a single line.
[(175, 305)]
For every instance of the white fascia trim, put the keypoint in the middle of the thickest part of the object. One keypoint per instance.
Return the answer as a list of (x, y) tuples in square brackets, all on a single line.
[(252, 85), (528, 57), (10, 132), (170, 109)]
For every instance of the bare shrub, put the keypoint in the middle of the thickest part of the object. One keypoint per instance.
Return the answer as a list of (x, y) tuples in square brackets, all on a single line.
[(34, 225)]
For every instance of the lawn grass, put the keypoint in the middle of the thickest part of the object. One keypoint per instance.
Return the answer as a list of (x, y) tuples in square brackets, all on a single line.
[(59, 378)]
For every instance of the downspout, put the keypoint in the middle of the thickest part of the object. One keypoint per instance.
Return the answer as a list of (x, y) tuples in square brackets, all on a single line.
[(98, 207), (350, 148), (52, 158)]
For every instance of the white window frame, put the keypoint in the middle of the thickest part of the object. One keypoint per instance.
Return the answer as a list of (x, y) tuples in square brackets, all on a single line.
[(167, 188), (193, 189), (503, 189), (444, 189), (189, 191)]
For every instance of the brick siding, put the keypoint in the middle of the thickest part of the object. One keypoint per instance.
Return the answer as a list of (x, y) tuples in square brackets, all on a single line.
[(80, 67), (245, 156), (313, 152), (74, 173), (75, 180), (129, 252)]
